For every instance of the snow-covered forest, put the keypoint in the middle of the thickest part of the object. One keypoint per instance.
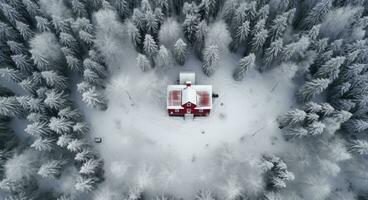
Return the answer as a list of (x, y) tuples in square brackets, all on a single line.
[(290, 122)]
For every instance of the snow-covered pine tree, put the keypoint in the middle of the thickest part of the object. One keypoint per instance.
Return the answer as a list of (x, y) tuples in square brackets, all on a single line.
[(201, 35), (180, 51), (272, 53), (94, 99), (85, 155), (134, 34), (278, 26), (85, 184), (61, 125), (163, 58), (23, 63), (10, 13), (138, 19), (92, 77), (64, 140), (81, 128), (36, 105), (38, 129), (149, 46), (56, 99), (190, 26), (55, 80), (70, 113), (278, 174), (24, 30), (122, 7), (244, 65), (356, 125), (143, 62), (317, 14), (241, 35), (79, 8), (16, 47), (90, 166), (312, 88), (76, 145), (331, 69), (32, 8), (95, 66), (316, 128), (9, 106), (82, 24), (86, 37), (43, 144), (74, 63), (61, 24), (296, 131), (11, 74), (292, 117), (295, 49), (210, 59), (83, 86), (151, 22), (43, 24), (360, 147), (68, 40), (51, 169), (258, 40)]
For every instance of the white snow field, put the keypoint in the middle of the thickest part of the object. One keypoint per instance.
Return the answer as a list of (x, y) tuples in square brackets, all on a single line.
[(146, 149)]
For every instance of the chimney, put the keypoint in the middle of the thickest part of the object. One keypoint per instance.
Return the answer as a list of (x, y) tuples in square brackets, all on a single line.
[(188, 83)]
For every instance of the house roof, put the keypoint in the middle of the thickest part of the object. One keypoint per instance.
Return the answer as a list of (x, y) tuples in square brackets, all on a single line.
[(201, 95)]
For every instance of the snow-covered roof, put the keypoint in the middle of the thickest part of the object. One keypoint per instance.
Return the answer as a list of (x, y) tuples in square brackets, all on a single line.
[(185, 77), (188, 94), (201, 95)]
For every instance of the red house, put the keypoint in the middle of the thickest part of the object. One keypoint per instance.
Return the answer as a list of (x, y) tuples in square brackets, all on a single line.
[(188, 99)]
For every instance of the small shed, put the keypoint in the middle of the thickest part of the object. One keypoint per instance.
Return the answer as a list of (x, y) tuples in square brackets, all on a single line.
[(185, 77)]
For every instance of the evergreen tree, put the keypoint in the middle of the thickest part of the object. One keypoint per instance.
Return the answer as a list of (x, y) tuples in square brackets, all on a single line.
[(86, 37), (9, 106), (180, 51), (164, 58), (92, 77), (11, 74), (143, 63), (331, 69), (272, 53), (133, 33), (22, 62), (95, 66), (138, 19), (94, 99), (85, 184), (79, 8), (74, 63), (292, 117), (61, 25), (356, 125), (190, 26), (90, 167), (201, 35), (297, 131), (82, 24), (312, 88), (317, 14), (76, 145), (204, 195), (151, 22), (295, 49), (51, 169), (278, 174), (80, 128), (244, 65), (42, 144), (258, 40), (24, 30), (316, 128), (43, 24), (16, 47), (360, 147), (10, 13), (84, 155), (68, 40), (210, 59), (32, 8), (55, 80), (69, 113), (38, 129), (278, 27), (149, 46), (55, 99), (60, 125), (64, 140)]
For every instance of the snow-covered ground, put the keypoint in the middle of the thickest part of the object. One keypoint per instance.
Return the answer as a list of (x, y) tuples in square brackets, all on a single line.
[(144, 147)]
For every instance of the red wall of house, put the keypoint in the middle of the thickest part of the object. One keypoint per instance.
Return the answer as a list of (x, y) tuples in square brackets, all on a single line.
[(182, 112)]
